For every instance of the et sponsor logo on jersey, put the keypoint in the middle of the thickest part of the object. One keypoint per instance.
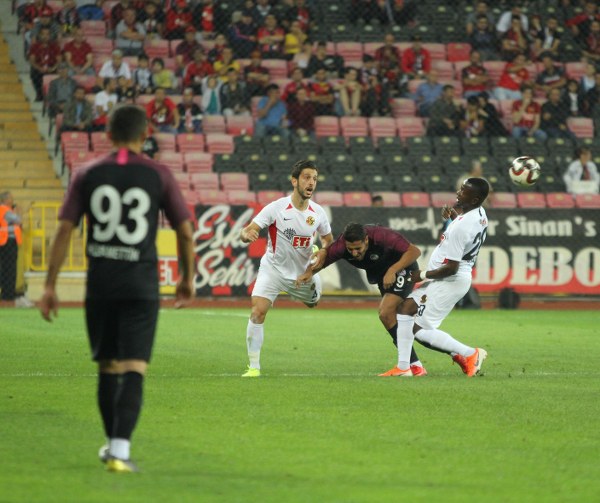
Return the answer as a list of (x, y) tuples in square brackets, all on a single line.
[(301, 241)]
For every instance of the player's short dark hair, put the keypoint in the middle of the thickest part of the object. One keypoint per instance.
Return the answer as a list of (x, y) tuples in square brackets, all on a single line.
[(300, 165), (354, 232), (480, 186), (127, 123)]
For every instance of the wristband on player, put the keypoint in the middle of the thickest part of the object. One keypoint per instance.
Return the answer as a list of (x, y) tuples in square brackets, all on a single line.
[(423, 275)]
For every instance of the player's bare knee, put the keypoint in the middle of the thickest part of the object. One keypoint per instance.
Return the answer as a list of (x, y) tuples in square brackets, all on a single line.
[(408, 307), (258, 316), (138, 366), (387, 316), (109, 367)]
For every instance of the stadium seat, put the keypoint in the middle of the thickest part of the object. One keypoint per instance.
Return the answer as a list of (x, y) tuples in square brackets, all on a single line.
[(189, 142), (410, 126), (241, 197), (582, 127), (354, 126), (198, 162), (174, 160), (278, 68), (213, 124), (414, 84), (531, 200), (211, 197), (445, 69), (441, 199), (458, 51), (494, 69), (503, 200), (100, 142), (72, 141), (93, 28), (165, 141), (591, 201), (575, 69), (76, 158), (157, 48), (205, 181), (327, 125), (182, 179), (239, 125), (264, 197), (390, 199), (415, 200), (219, 143), (436, 50), (349, 50), (190, 197), (403, 107), (143, 99), (370, 48), (560, 200), (362, 199), (235, 181), (382, 126), (101, 45), (329, 198)]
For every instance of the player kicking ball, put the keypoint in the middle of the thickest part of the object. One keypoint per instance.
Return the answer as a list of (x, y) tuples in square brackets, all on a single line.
[(292, 222)]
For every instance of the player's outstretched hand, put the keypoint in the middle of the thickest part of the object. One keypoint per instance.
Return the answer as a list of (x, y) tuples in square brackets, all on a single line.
[(448, 212), (415, 276), (318, 259), (49, 305), (183, 294), (303, 279)]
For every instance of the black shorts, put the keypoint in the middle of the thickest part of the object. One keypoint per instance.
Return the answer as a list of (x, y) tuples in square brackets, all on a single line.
[(121, 329), (402, 287)]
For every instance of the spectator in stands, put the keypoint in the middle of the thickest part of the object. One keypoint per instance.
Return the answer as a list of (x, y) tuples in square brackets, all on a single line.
[(588, 80), (554, 117), (270, 38), (350, 94), (190, 115), (260, 11), (184, 52), (551, 76), (428, 93), (243, 35), (90, 10), (591, 100), (256, 76), (204, 18), (582, 169), (46, 20), (130, 34), (580, 24), (302, 58), (572, 99), (197, 70), (505, 20), (178, 19), (31, 14), (150, 145), (592, 42), (301, 113), (444, 115), (114, 68), (68, 17), (368, 10), (60, 91), (546, 37), (493, 124), (481, 9), (162, 113), (293, 40), (211, 95), (515, 74), (142, 76), (104, 102), (153, 20), (44, 57), (290, 90), (377, 201), (322, 93), (472, 122), (389, 62), (474, 77), (216, 53), (333, 64), (78, 112), (162, 77), (402, 12), (235, 99), (416, 60), (300, 12), (484, 39), (526, 116), (226, 63), (272, 114), (116, 13), (78, 54), (514, 41), (375, 97), (125, 91)]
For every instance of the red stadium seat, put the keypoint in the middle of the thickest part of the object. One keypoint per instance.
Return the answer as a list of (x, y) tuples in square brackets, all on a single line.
[(93, 28), (264, 197), (165, 141), (239, 125), (198, 162), (403, 107), (410, 126), (241, 197), (371, 47), (278, 68), (157, 48), (235, 181), (86, 81), (211, 197), (74, 142), (582, 127), (190, 197), (354, 126), (329, 198), (362, 199), (560, 200), (437, 51), (189, 142), (414, 84), (415, 200), (382, 126), (326, 125), (182, 179), (75, 159), (591, 201), (440, 199), (458, 51), (101, 45), (531, 200), (503, 200), (390, 199), (213, 124), (143, 99), (172, 159), (100, 142), (349, 50), (494, 69), (445, 69), (219, 143), (205, 181), (575, 69)]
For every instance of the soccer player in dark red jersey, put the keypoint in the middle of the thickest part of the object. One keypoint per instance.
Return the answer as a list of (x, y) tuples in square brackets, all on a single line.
[(121, 196), (388, 258)]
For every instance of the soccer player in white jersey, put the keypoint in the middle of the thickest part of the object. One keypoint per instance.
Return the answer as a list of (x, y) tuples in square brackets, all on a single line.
[(293, 223), (446, 281)]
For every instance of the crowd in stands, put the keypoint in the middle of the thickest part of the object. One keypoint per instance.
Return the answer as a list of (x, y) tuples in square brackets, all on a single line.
[(275, 63)]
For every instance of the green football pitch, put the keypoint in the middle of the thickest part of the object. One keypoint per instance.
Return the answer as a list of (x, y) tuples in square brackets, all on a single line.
[(319, 426)]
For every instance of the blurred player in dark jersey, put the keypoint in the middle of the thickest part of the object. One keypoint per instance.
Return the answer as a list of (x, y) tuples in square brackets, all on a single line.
[(121, 196), (388, 258)]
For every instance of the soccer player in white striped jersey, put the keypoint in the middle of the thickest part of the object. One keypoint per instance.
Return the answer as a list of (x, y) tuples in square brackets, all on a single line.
[(293, 223)]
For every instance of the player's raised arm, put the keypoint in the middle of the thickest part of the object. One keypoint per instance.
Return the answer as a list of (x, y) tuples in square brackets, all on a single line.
[(249, 234)]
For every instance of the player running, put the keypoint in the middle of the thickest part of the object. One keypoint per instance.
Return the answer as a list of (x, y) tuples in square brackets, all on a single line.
[(388, 259), (293, 222)]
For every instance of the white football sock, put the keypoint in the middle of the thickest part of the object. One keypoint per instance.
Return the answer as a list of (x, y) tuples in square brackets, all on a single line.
[(404, 339), (119, 448), (441, 340), (254, 340)]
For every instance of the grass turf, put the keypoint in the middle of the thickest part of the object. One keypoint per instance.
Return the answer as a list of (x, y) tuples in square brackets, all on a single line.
[(319, 426)]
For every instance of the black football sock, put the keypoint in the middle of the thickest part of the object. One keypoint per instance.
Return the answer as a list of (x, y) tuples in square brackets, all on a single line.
[(393, 334), (429, 346), (128, 405), (108, 385), (413, 356)]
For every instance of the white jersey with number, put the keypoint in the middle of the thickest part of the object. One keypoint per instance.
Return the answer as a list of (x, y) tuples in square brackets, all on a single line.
[(461, 241), (291, 234)]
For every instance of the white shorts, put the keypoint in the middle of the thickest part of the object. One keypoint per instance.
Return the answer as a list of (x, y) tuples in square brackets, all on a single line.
[(435, 299), (269, 284)]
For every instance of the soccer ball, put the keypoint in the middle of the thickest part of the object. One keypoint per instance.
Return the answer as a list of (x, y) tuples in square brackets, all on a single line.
[(524, 171)]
